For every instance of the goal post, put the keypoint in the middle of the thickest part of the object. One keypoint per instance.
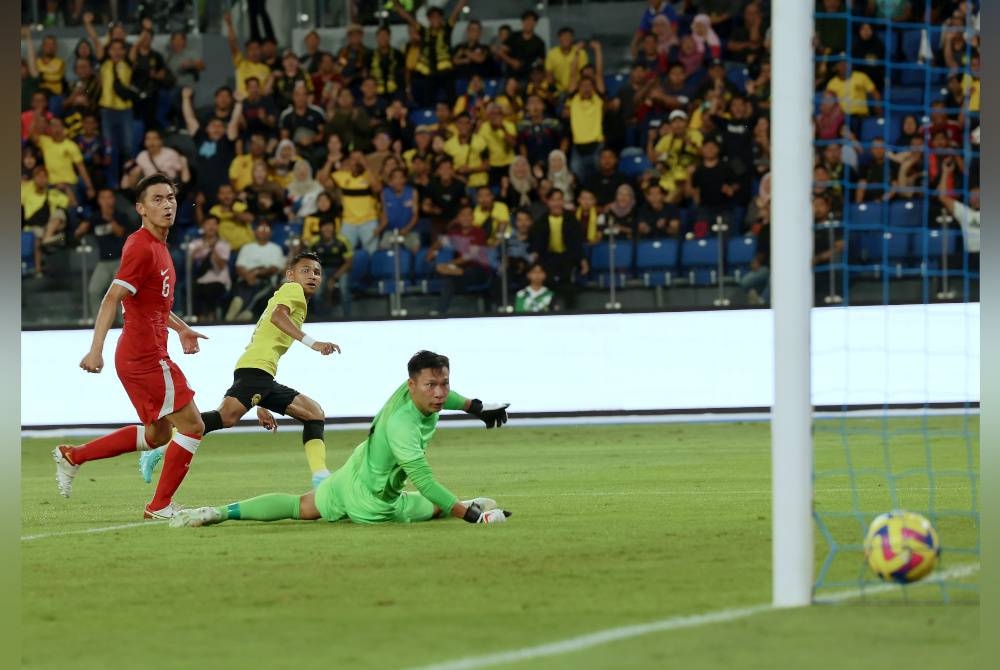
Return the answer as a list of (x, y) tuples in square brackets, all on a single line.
[(791, 299)]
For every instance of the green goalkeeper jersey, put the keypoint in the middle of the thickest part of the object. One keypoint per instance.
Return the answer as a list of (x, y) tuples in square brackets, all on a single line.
[(394, 451)]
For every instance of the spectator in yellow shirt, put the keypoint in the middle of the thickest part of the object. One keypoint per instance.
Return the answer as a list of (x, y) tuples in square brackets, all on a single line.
[(63, 160), (241, 169), (492, 216), (466, 150), (358, 190), (586, 119), (116, 112), (51, 68), (249, 64), (234, 219), (562, 58), (853, 90), (500, 137), (43, 212)]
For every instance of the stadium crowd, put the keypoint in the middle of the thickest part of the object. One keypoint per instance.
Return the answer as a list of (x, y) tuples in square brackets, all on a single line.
[(353, 148)]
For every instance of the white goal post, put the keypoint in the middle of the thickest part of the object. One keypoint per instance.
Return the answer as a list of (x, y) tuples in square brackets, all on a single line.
[(792, 297)]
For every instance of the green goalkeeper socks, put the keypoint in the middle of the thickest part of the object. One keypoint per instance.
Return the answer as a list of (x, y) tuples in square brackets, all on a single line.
[(268, 507)]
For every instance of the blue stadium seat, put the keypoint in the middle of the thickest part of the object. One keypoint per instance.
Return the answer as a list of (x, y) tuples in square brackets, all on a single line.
[(27, 252), (907, 95), (872, 128), (461, 87), (656, 261), (600, 262), (422, 117), (739, 253), (423, 269), (738, 74), (867, 214), (933, 243), (905, 214), (383, 270), (884, 248), (700, 260), (633, 162), (612, 84), (492, 87), (910, 45), (359, 270), (282, 234)]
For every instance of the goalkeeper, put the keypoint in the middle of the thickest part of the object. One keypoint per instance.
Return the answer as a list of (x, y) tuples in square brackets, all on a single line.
[(369, 487)]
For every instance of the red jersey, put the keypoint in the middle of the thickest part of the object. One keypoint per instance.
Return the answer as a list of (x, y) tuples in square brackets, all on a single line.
[(147, 271)]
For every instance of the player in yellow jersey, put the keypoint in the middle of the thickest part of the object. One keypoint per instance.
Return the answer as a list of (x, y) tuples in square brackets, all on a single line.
[(253, 380)]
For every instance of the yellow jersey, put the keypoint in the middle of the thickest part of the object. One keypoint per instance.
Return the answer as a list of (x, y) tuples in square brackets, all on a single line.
[(501, 151), (60, 159), (246, 69), (32, 200), (470, 155), (586, 119), (52, 72), (557, 243), (268, 343), (109, 99), (499, 215), (560, 65), (241, 171), (357, 199), (852, 93), (232, 230), (970, 87)]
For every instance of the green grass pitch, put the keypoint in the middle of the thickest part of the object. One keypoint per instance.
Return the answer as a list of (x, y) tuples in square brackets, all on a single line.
[(612, 526)]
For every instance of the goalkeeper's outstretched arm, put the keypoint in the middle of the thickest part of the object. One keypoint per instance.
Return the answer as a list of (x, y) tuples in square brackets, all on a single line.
[(492, 414)]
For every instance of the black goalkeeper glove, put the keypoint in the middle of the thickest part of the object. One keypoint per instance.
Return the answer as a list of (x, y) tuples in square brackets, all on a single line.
[(493, 414), (475, 514)]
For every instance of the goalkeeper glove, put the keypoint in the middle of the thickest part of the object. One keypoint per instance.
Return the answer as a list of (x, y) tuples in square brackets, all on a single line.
[(475, 514), (493, 414)]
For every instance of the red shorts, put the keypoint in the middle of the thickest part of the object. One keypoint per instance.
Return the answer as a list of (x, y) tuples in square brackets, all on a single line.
[(156, 392)]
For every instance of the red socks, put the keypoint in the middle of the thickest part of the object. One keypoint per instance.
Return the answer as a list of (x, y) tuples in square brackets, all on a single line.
[(176, 462), (122, 441)]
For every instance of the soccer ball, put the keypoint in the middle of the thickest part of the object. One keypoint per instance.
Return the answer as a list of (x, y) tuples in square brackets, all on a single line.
[(901, 546)]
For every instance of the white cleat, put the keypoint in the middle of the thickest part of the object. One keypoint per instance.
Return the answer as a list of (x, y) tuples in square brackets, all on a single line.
[(168, 512), (485, 504), (200, 516), (65, 471)]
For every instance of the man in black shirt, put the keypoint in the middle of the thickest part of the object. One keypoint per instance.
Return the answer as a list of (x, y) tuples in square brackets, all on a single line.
[(604, 185), (109, 228), (443, 197), (336, 257), (736, 135), (557, 237), (712, 186), (876, 177), (259, 113), (472, 57), (524, 48), (215, 145), (657, 217), (302, 123)]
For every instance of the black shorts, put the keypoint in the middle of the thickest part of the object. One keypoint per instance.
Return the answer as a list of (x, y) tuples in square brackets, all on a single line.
[(253, 387)]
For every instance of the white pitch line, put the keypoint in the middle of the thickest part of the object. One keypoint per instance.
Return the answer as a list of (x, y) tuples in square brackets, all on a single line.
[(700, 492), (105, 529), (575, 644), (573, 494)]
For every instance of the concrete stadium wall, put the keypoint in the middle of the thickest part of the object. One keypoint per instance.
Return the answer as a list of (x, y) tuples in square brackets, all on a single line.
[(594, 363)]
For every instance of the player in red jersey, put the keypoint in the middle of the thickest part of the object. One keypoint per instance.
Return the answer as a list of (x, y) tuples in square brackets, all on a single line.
[(157, 388)]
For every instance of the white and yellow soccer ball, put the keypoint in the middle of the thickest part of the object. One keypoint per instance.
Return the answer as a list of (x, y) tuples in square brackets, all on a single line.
[(902, 546)]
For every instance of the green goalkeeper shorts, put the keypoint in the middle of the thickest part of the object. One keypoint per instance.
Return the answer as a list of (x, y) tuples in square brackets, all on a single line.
[(340, 496)]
